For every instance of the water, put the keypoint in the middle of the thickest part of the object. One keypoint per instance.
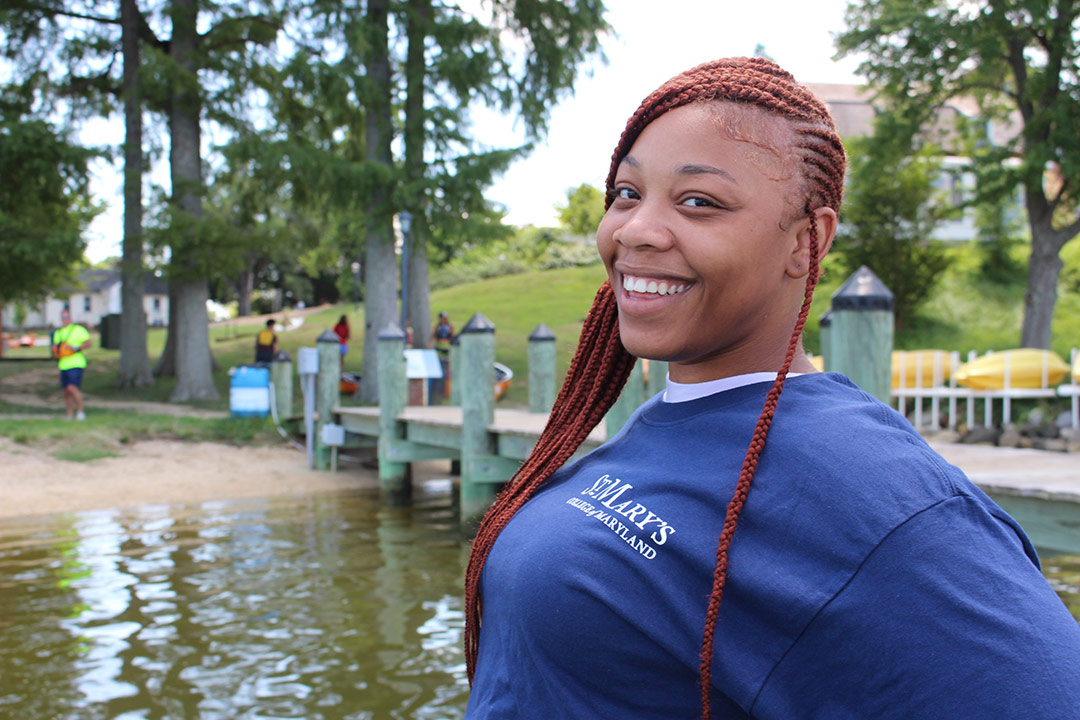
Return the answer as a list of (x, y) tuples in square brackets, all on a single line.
[(323, 607)]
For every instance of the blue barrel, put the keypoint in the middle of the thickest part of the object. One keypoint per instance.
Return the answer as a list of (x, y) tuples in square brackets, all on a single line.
[(249, 391)]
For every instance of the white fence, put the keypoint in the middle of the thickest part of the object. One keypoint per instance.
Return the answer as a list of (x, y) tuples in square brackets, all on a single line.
[(930, 390)]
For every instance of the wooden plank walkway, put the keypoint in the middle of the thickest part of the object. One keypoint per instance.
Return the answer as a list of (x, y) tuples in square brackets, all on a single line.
[(516, 431)]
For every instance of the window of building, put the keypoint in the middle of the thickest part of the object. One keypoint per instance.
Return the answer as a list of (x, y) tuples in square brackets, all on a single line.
[(86, 303), (157, 303)]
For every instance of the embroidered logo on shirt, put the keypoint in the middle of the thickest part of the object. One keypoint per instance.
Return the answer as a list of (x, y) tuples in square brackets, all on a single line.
[(607, 491)]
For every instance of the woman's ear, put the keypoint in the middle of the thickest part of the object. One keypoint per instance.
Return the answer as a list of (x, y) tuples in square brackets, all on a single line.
[(825, 221)]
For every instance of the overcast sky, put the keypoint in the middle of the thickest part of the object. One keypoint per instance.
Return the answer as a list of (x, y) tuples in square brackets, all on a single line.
[(654, 40)]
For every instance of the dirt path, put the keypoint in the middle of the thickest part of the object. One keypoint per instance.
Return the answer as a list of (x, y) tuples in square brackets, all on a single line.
[(38, 388)]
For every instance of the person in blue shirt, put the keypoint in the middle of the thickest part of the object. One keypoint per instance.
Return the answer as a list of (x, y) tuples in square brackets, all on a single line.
[(760, 540)]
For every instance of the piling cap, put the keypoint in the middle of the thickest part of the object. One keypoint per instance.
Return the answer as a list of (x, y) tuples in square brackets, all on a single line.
[(863, 291), (282, 356), (328, 336), (390, 332), (826, 319), (478, 324), (542, 333)]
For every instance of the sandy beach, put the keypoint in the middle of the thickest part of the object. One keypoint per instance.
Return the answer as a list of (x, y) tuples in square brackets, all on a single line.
[(154, 472)]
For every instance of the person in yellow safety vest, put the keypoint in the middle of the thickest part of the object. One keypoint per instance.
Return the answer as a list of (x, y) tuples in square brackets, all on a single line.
[(266, 344), (68, 342)]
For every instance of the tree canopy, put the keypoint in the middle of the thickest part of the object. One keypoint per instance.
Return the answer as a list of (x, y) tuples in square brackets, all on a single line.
[(45, 206), (583, 210), (1017, 62), (890, 214)]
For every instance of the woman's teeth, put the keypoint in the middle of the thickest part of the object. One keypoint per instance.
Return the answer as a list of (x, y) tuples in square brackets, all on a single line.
[(656, 287)]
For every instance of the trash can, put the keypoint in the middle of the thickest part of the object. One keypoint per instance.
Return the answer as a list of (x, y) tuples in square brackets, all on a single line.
[(110, 331), (249, 391)]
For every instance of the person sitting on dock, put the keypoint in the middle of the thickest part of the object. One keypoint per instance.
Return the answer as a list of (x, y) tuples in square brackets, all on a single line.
[(760, 539)]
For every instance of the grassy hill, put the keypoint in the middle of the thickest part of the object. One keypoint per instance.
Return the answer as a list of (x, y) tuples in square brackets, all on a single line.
[(963, 314)]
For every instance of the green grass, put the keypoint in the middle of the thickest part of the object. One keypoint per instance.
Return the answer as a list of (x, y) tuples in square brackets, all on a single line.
[(104, 433), (516, 304), (963, 314)]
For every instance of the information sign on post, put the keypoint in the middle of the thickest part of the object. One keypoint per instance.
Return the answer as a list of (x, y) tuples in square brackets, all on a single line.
[(421, 366)]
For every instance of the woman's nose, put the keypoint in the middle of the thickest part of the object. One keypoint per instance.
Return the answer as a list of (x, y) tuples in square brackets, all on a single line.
[(646, 227)]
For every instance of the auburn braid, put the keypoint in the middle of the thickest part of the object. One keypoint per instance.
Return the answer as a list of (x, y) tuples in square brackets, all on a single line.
[(596, 376), (746, 476), (600, 366)]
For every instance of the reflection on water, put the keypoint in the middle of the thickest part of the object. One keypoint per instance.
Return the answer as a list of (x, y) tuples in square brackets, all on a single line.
[(1063, 572), (323, 607)]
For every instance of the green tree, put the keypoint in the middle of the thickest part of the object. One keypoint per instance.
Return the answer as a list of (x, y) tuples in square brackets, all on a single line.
[(340, 106), (890, 213), (66, 53), (583, 211), (1016, 59), (44, 207)]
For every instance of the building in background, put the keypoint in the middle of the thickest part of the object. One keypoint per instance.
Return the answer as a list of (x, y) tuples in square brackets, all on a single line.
[(94, 295)]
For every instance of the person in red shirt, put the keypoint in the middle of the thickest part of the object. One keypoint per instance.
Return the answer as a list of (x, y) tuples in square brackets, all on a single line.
[(342, 331)]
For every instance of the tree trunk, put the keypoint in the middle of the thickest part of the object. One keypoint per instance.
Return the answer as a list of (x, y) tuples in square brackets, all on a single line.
[(419, 14), (134, 360), (194, 379), (1044, 269), (419, 291), (245, 285), (2, 343), (380, 277), (166, 364)]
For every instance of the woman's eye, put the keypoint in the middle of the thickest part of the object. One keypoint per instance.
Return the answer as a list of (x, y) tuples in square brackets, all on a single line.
[(699, 202), (625, 193)]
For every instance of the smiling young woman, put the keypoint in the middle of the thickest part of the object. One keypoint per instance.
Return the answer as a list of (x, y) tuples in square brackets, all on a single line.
[(867, 577), (707, 263)]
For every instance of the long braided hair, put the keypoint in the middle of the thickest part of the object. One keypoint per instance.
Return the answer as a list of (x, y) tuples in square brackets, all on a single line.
[(601, 365)]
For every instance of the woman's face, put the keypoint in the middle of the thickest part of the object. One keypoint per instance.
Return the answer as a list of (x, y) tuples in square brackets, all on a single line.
[(706, 258)]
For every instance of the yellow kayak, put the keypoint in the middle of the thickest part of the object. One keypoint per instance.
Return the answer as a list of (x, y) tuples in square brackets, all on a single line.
[(1028, 368), (916, 368)]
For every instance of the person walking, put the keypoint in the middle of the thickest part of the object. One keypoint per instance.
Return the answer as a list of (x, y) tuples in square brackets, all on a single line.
[(68, 343)]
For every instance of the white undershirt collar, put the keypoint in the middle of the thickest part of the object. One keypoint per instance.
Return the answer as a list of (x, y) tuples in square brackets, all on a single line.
[(684, 392)]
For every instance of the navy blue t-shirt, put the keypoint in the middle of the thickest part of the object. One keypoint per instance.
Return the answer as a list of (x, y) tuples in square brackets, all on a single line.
[(867, 578)]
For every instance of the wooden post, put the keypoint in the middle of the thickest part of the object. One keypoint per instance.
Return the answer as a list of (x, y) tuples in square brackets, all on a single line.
[(281, 376), (327, 391), (393, 395), (861, 333), (541, 369), (631, 397), (657, 378), (476, 377), (455, 371), (825, 325)]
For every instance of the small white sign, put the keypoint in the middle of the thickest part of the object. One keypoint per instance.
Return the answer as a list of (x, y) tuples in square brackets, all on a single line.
[(422, 364), (333, 435)]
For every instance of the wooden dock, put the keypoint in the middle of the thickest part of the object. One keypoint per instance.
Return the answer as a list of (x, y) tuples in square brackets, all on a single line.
[(1040, 488), (440, 426)]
